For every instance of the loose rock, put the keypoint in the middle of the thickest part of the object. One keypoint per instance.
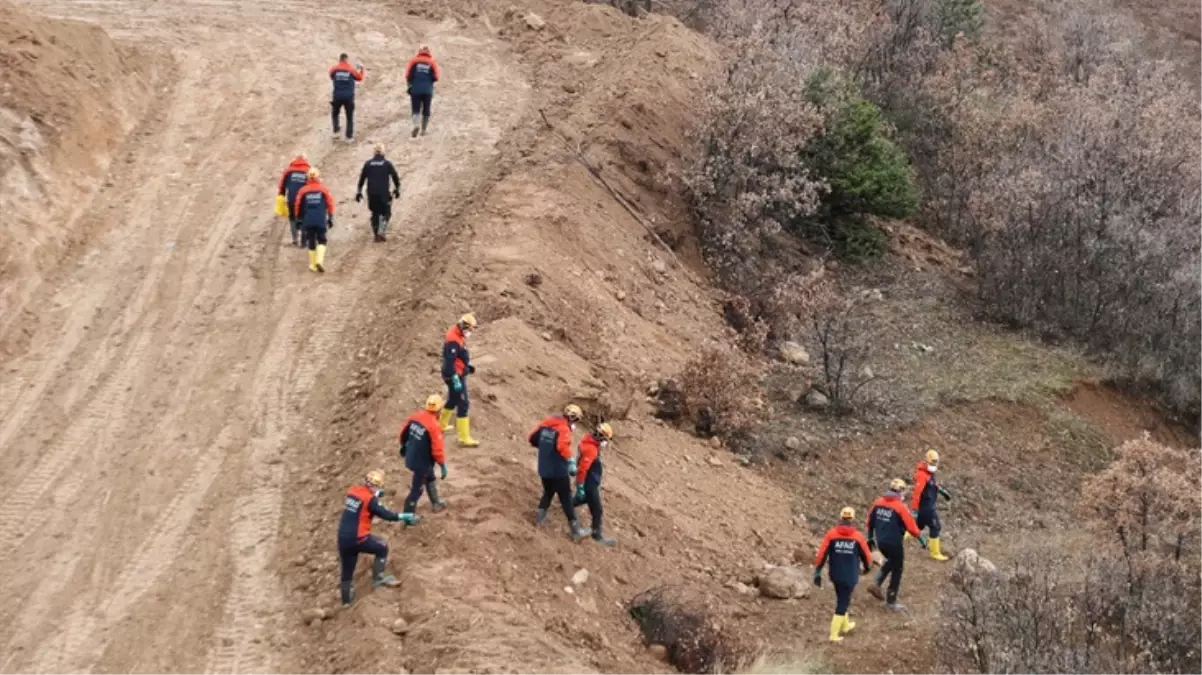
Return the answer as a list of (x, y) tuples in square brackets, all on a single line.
[(969, 568), (580, 577), (715, 442), (535, 22), (659, 652), (791, 352), (400, 627), (784, 583), (816, 399), (793, 443)]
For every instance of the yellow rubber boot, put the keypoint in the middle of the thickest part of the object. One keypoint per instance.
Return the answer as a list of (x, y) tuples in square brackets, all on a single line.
[(836, 624), (906, 537), (444, 419), (312, 261), (464, 427), (320, 264), (936, 550), (848, 625)]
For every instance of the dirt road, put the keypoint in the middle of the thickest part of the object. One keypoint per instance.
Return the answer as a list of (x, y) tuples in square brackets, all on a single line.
[(145, 433)]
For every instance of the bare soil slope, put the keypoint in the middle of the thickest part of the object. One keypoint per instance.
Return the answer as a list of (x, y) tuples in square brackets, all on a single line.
[(69, 96)]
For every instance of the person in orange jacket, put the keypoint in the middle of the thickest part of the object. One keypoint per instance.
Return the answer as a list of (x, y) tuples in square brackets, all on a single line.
[(293, 179), (314, 208), (420, 76), (557, 465), (361, 504), (588, 478), (344, 76), (925, 501), (422, 449), (456, 366), (889, 520), (847, 552)]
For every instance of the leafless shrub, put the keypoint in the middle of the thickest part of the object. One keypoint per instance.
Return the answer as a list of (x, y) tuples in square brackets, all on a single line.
[(720, 390), (694, 642), (844, 349)]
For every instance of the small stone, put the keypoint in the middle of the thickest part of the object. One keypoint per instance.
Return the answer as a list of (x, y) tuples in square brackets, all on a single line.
[(535, 22), (311, 614), (866, 373), (661, 53), (619, 579), (816, 399), (658, 652), (659, 266), (580, 577), (314, 622), (793, 443), (715, 442), (546, 336), (400, 627), (791, 352), (569, 590), (620, 295), (714, 461), (569, 87)]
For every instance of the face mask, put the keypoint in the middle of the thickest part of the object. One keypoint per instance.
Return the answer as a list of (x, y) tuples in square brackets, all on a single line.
[(604, 444), (932, 467), (467, 334), (572, 426)]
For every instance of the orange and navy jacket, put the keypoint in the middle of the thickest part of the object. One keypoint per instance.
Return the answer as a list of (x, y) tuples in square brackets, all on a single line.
[(314, 206), (847, 551), (421, 74), (360, 505), (553, 438), (421, 441), (926, 489), (294, 178), (344, 76), (455, 358), (889, 519), (590, 461)]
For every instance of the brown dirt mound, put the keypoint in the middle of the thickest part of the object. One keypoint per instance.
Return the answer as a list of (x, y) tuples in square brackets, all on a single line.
[(69, 95)]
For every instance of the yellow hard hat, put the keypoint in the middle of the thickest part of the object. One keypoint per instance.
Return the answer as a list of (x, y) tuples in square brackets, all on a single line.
[(375, 478), (467, 321), (932, 456), (847, 513), (434, 402), (604, 430), (314, 173), (573, 412), (897, 485)]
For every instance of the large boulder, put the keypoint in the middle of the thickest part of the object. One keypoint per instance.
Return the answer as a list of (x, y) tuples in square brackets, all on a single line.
[(969, 568), (791, 352), (784, 583)]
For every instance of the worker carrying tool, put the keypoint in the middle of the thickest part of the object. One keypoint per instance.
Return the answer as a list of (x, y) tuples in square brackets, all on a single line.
[(588, 478), (377, 172), (422, 448), (420, 76), (557, 465), (362, 503), (889, 520), (456, 366), (925, 501), (294, 178), (314, 207), (847, 552), (344, 76)]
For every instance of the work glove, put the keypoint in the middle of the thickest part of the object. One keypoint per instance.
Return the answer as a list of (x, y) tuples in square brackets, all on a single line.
[(945, 494), (818, 578), (402, 449), (442, 474), (408, 518), (865, 570), (571, 467), (471, 370), (396, 193), (330, 222), (872, 544), (409, 89), (359, 67), (456, 383), (923, 540), (580, 494), (358, 196)]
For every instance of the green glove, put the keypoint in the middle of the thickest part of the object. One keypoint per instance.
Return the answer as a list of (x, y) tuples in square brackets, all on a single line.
[(409, 518), (818, 578), (945, 494), (572, 468), (580, 494), (456, 383), (923, 539), (443, 473)]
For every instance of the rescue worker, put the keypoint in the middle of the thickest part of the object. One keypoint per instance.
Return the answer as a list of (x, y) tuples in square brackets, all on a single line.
[(362, 503), (456, 366), (293, 179), (847, 552), (314, 208), (889, 520), (925, 501), (422, 448), (588, 478), (420, 75), (344, 76), (377, 172), (557, 465)]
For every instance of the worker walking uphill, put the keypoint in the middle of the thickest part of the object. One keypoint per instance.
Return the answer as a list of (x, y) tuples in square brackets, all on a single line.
[(420, 75), (314, 209), (293, 179), (456, 366), (422, 448), (557, 465), (847, 552), (588, 478), (362, 503), (889, 520), (344, 76), (377, 172), (925, 501)]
